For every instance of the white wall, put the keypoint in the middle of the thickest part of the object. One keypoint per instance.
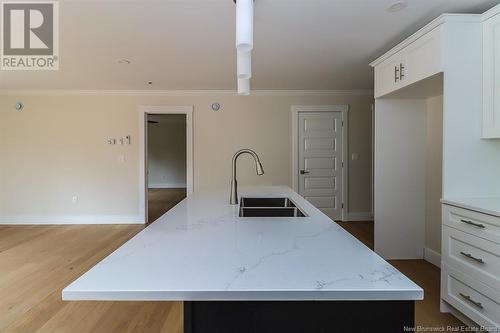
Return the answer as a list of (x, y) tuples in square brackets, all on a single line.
[(56, 148), (400, 178), (434, 175), (167, 151), (408, 178)]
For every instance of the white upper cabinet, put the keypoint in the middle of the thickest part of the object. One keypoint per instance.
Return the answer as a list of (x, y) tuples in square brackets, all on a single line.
[(491, 74), (387, 75), (415, 59), (422, 58)]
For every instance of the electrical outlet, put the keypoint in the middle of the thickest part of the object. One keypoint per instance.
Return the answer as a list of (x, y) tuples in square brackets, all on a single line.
[(74, 199), (355, 156)]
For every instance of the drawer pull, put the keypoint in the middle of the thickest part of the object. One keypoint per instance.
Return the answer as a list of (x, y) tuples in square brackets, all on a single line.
[(479, 225), (470, 256), (470, 300)]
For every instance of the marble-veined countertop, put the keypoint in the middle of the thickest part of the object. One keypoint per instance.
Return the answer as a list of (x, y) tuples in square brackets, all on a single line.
[(202, 250)]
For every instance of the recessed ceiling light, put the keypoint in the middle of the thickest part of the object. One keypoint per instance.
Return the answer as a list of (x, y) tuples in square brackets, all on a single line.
[(124, 62), (397, 6)]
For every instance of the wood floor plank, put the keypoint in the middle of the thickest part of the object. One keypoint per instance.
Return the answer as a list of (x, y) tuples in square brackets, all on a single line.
[(161, 200)]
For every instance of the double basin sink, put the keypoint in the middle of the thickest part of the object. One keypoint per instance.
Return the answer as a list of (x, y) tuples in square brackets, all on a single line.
[(269, 207)]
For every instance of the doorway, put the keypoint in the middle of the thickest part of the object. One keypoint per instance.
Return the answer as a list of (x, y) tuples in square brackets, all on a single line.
[(320, 157), (166, 166), (166, 162)]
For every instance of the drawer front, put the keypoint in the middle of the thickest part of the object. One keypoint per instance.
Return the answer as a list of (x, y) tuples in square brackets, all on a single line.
[(472, 255), (474, 299), (478, 224)]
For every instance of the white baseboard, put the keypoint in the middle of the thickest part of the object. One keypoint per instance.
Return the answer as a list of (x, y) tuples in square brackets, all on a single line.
[(432, 256), (167, 186), (62, 220), (359, 216)]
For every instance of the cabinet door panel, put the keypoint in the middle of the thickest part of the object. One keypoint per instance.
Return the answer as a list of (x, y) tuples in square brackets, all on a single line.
[(422, 58), (491, 77), (386, 77)]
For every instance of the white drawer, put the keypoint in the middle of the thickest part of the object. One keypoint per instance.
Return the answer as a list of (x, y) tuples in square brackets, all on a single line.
[(475, 300), (472, 255), (478, 224)]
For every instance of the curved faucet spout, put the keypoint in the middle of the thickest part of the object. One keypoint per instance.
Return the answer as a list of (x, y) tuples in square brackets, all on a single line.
[(234, 184)]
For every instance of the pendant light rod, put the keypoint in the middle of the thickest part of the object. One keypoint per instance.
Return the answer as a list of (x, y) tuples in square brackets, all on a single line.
[(244, 43), (243, 87), (244, 25), (244, 65)]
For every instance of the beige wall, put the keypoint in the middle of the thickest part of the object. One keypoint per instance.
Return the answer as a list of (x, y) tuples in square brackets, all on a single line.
[(167, 151), (56, 148), (434, 175)]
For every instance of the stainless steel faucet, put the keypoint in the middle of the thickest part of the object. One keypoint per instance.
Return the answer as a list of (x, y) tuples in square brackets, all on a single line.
[(234, 185)]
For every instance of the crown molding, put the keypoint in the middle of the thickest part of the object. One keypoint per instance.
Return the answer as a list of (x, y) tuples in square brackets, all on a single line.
[(440, 20), (490, 13), (60, 92)]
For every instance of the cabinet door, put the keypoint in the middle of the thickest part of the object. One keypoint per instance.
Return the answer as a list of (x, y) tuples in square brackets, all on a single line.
[(387, 78), (491, 78), (422, 58)]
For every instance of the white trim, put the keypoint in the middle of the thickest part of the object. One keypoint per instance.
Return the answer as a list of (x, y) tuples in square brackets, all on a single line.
[(163, 109), (432, 256), (51, 92), (490, 13), (372, 165), (45, 220), (166, 185), (344, 109), (359, 216), (468, 18)]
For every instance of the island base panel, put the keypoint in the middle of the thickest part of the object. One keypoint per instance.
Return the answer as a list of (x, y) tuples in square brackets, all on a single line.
[(297, 316)]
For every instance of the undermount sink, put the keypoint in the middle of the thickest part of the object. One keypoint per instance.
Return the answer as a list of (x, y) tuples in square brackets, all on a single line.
[(269, 207)]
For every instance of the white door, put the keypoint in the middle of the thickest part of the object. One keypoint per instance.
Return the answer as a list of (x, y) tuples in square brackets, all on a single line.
[(320, 161)]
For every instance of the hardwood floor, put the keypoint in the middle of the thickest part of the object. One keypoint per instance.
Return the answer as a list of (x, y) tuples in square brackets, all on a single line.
[(37, 262), (161, 200), (421, 272)]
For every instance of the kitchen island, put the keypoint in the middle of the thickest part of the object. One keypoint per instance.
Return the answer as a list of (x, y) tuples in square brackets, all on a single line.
[(254, 274)]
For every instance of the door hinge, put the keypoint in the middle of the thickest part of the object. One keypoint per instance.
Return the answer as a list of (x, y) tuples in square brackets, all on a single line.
[(342, 164), (342, 123), (342, 205)]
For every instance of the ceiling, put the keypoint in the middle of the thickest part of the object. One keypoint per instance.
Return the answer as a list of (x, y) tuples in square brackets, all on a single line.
[(189, 44)]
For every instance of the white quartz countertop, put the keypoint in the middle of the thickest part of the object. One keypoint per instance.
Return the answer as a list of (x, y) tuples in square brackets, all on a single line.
[(202, 250), (486, 205)]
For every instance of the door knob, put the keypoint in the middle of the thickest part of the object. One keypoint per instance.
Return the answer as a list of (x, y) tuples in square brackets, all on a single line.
[(303, 172)]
